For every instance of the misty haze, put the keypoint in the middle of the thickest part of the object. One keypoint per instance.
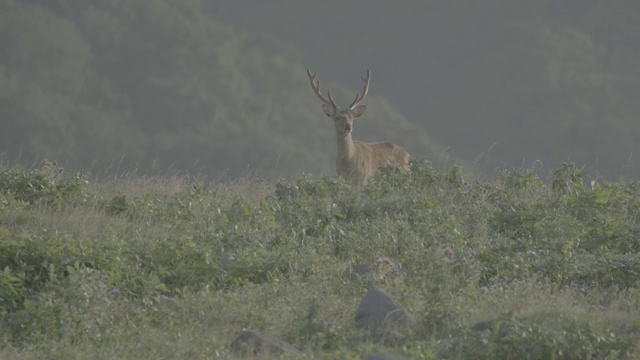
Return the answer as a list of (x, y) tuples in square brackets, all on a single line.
[(220, 87)]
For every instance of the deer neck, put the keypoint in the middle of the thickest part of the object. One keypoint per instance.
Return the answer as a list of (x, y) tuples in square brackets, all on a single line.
[(346, 149)]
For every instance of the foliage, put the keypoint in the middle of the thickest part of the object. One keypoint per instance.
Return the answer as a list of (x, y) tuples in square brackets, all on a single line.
[(158, 85), (48, 184), (186, 85), (506, 268), (540, 86), (546, 335)]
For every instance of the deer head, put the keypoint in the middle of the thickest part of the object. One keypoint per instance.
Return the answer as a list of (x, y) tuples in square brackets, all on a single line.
[(342, 118)]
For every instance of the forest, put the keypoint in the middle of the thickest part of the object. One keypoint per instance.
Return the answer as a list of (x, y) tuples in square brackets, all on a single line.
[(161, 84), (218, 88)]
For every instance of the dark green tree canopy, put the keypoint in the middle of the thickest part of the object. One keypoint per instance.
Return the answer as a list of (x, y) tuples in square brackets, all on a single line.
[(213, 87)]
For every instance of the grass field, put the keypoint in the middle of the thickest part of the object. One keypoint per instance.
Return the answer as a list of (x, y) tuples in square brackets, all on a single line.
[(175, 267)]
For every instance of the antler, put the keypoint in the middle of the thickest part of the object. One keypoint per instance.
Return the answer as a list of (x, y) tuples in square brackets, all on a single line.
[(358, 99), (315, 85)]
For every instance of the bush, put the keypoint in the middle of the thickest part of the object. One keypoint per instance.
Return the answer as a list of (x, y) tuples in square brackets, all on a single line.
[(46, 185), (506, 268)]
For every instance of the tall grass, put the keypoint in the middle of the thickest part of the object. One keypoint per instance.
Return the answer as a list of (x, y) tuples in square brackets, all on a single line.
[(175, 267)]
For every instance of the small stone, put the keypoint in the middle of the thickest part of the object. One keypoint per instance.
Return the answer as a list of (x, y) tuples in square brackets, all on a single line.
[(377, 309), (484, 325)]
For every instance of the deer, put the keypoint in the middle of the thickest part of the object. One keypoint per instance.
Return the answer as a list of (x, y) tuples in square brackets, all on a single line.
[(357, 161)]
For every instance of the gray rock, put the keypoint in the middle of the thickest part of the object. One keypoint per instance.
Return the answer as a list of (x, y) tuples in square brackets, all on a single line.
[(484, 325), (385, 356), (377, 309), (254, 343)]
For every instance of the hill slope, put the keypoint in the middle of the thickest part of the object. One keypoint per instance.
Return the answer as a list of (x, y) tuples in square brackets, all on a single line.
[(173, 267)]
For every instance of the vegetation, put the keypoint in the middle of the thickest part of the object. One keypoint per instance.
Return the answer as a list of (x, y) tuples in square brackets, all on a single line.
[(497, 82), (174, 267), (221, 86), (159, 84)]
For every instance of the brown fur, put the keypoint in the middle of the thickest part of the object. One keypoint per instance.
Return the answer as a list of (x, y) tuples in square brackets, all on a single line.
[(357, 161), (362, 163)]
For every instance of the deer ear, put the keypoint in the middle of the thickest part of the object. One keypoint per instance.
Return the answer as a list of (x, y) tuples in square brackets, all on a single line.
[(358, 110), (329, 110)]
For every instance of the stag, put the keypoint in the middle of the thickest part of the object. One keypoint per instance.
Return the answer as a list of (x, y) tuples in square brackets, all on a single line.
[(357, 161)]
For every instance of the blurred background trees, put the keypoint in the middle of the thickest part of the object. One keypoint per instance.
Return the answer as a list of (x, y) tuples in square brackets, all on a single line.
[(220, 87)]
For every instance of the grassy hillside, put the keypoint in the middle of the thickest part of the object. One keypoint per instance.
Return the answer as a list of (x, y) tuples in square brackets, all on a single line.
[(172, 267)]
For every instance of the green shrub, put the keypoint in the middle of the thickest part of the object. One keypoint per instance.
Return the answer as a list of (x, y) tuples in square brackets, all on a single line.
[(552, 266), (48, 184)]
